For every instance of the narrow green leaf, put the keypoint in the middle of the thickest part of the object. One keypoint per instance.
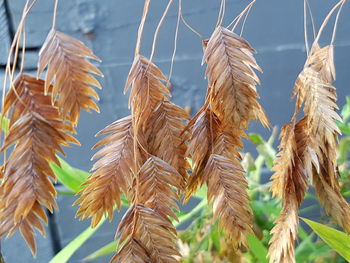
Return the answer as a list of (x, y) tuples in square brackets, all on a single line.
[(256, 138), (258, 249), (5, 123), (202, 192), (215, 236), (346, 110), (103, 251), (337, 240), (70, 177), (66, 253), (306, 243), (343, 149), (264, 148)]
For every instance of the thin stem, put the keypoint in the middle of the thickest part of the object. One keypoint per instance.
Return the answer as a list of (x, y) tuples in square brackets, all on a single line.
[(141, 27), (23, 47), (341, 2), (191, 214), (158, 28), (14, 52), (135, 122), (305, 30), (336, 22), (175, 44), (312, 19), (54, 14), (239, 17), (186, 24), (232, 22), (221, 13), (244, 21), (14, 49)]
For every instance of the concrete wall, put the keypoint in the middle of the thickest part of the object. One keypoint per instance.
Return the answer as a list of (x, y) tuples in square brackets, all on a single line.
[(109, 28)]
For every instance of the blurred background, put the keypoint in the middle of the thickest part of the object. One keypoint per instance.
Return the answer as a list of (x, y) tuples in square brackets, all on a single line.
[(109, 27)]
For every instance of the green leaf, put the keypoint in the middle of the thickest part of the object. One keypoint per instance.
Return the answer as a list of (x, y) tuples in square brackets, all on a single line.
[(268, 153), (264, 148), (202, 192), (256, 138), (70, 177), (65, 254), (5, 123), (215, 237), (345, 113), (258, 249), (337, 240), (343, 149), (103, 251), (248, 163), (344, 127)]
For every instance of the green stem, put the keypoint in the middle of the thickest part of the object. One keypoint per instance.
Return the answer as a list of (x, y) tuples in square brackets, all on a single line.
[(191, 214)]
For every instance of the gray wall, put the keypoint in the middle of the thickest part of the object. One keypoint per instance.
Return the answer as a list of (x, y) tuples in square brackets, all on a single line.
[(109, 28)]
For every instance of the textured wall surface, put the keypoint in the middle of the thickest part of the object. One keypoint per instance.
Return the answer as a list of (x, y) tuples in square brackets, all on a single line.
[(109, 28), (5, 34)]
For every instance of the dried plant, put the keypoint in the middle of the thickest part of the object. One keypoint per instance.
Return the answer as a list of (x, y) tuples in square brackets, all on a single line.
[(315, 84), (39, 126), (146, 236), (231, 103), (148, 89), (204, 129), (147, 156), (231, 76), (166, 135), (113, 172), (308, 149), (37, 133), (289, 182), (157, 183), (148, 222), (144, 158), (69, 71)]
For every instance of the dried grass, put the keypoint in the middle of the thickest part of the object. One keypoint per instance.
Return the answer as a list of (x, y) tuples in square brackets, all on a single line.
[(37, 132)]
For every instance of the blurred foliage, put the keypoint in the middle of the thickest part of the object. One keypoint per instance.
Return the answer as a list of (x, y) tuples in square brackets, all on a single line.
[(204, 242)]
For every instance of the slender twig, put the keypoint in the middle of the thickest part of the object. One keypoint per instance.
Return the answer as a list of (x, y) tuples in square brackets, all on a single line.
[(15, 46), (245, 20), (336, 22), (341, 2), (221, 13), (186, 24), (312, 18), (158, 29), (239, 17), (305, 30), (236, 20), (13, 53), (175, 44), (141, 27), (54, 14), (23, 47)]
